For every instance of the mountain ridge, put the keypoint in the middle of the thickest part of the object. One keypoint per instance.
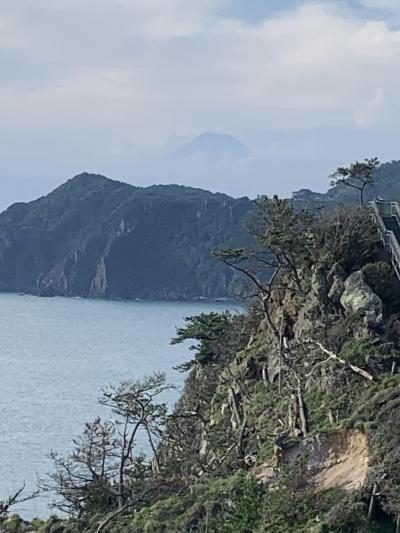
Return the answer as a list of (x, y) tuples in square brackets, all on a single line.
[(91, 232)]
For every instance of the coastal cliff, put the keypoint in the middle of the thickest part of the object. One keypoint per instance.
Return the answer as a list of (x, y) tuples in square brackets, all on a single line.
[(289, 417)]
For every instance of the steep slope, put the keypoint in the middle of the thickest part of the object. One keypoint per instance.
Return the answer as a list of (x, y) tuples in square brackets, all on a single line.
[(292, 432), (289, 420), (101, 238)]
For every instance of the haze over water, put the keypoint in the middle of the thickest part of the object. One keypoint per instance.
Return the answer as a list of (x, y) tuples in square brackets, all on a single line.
[(57, 354)]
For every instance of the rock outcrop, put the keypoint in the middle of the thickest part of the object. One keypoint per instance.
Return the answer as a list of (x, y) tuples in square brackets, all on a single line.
[(358, 298)]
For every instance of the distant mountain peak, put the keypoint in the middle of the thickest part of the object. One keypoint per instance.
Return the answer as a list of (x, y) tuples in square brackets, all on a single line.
[(216, 144), (90, 177), (87, 181)]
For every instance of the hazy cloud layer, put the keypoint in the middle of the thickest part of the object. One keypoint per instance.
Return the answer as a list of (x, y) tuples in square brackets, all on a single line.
[(102, 85)]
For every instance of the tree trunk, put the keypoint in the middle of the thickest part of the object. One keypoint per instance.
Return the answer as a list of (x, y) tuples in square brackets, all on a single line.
[(264, 374), (290, 419), (398, 523), (264, 302), (121, 485), (125, 454), (302, 413), (280, 356), (156, 462), (235, 407), (240, 447), (371, 508)]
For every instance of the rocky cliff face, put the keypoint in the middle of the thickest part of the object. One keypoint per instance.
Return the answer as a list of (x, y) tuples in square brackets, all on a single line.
[(304, 411), (101, 238)]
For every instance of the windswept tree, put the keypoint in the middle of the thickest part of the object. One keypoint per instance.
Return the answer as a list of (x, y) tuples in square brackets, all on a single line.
[(84, 480), (104, 472), (216, 336), (357, 176), (283, 237), (135, 410)]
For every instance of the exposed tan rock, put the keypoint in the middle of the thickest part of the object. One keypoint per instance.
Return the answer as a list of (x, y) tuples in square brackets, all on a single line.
[(344, 462), (267, 472), (336, 460)]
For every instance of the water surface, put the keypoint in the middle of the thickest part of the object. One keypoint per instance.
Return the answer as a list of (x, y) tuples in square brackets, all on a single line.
[(56, 354)]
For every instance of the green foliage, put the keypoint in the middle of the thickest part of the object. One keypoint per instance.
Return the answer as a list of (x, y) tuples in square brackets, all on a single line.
[(278, 226), (232, 504), (242, 509), (357, 176), (356, 351), (14, 524), (382, 280), (283, 231), (345, 236), (316, 402), (219, 337), (349, 515), (208, 329)]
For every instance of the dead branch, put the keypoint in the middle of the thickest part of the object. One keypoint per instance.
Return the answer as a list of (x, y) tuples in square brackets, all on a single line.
[(105, 522), (333, 356)]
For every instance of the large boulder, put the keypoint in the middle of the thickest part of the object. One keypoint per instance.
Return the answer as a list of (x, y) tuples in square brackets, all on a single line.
[(359, 298)]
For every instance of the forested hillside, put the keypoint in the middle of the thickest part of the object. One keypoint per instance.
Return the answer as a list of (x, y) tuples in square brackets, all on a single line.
[(102, 238)]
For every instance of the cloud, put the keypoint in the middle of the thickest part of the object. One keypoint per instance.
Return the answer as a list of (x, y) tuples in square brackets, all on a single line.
[(11, 34), (123, 73), (391, 5), (370, 112), (316, 59), (188, 60)]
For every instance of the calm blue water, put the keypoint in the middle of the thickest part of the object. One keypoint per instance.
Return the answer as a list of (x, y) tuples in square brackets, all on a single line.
[(56, 354)]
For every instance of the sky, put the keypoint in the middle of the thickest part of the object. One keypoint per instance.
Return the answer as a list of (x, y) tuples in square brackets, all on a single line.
[(116, 87)]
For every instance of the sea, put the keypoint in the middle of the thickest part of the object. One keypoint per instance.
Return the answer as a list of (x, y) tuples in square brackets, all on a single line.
[(56, 356)]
